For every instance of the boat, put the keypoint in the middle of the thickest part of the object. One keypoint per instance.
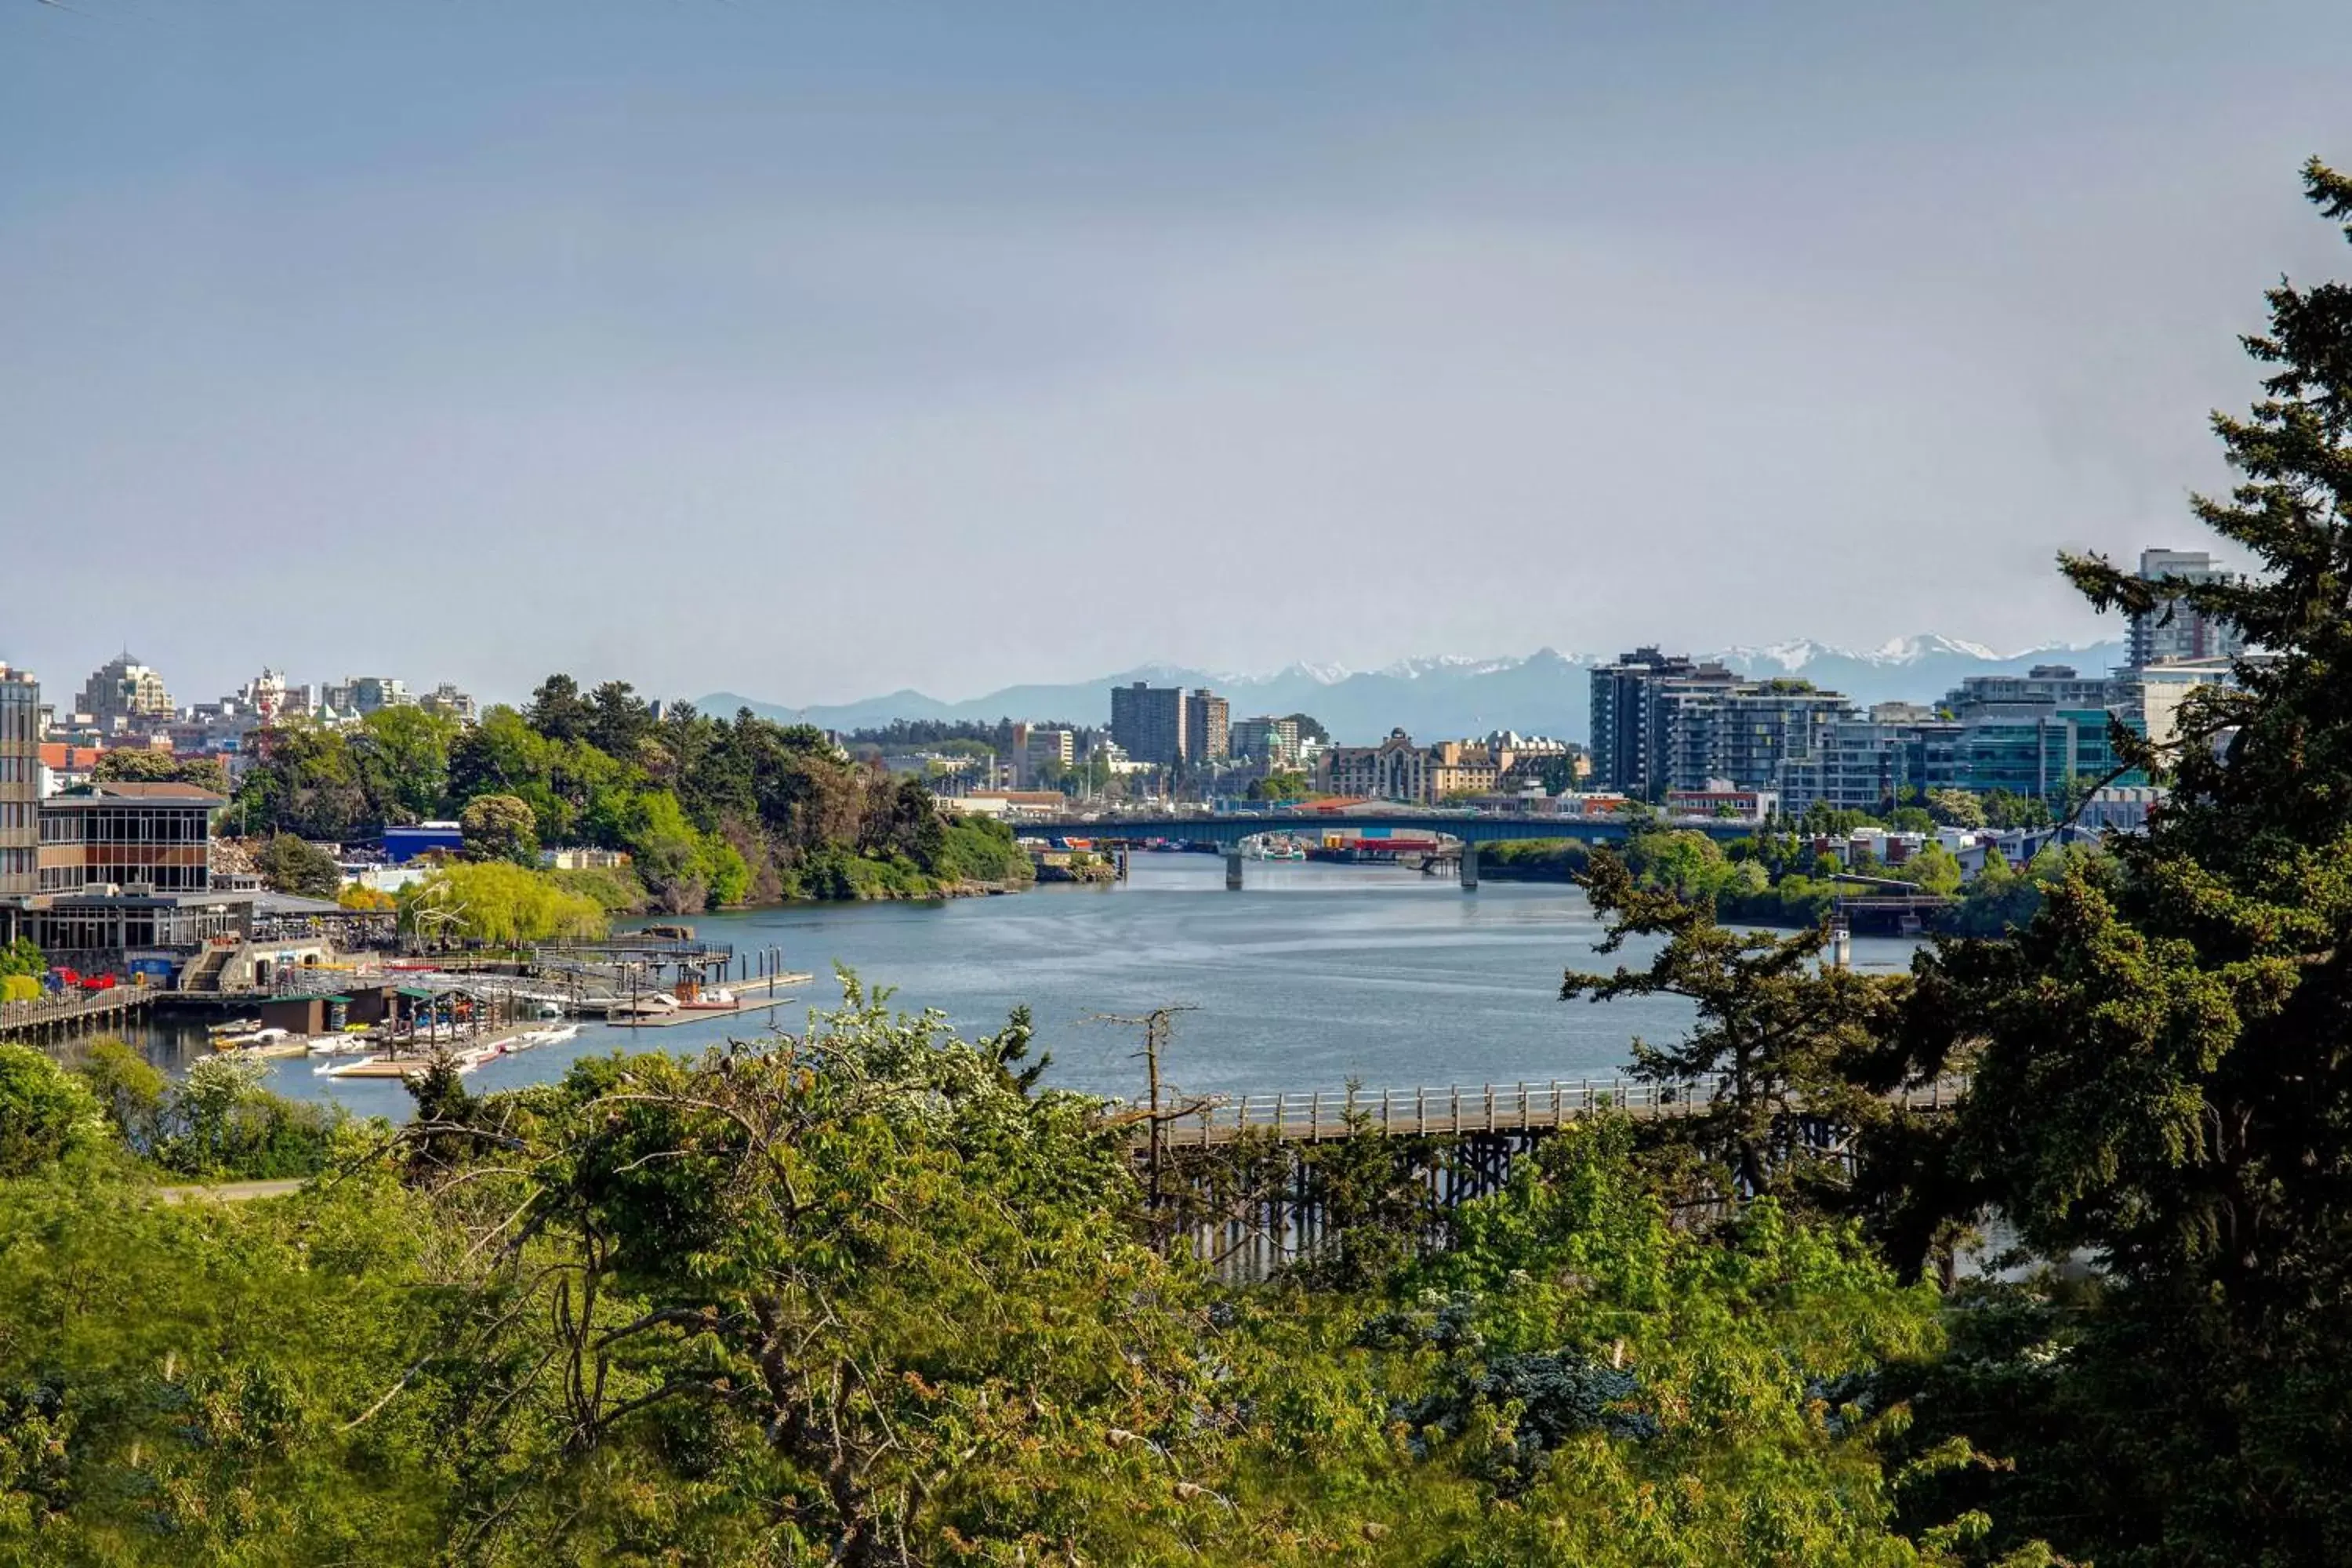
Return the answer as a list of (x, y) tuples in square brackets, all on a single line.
[(649, 1004), (236, 1027), (717, 999)]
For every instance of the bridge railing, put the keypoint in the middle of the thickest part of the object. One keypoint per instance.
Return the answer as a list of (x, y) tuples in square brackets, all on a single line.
[(1450, 1110)]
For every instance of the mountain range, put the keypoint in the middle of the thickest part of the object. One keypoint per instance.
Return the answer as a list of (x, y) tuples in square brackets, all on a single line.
[(1545, 692)]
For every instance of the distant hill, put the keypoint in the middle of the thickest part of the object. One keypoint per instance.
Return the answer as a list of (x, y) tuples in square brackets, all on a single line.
[(1545, 692)]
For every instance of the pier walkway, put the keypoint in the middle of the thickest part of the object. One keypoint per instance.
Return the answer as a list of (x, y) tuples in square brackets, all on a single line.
[(1452, 1112), (71, 1014)]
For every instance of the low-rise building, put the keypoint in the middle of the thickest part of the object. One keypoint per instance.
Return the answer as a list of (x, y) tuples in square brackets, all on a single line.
[(1722, 798)]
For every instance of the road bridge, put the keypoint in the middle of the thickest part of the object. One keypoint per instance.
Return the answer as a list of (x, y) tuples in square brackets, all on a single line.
[(1227, 831)]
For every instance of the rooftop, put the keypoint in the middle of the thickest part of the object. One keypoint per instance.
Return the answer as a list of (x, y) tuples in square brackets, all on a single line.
[(126, 789)]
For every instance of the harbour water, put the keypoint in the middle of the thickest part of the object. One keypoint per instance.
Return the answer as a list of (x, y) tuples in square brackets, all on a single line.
[(1313, 976)]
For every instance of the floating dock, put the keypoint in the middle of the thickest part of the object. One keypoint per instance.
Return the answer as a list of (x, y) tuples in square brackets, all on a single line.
[(750, 997)]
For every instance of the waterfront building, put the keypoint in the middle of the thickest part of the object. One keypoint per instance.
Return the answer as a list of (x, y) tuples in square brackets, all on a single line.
[(1396, 769), (125, 877), (153, 838), (1148, 722), (2030, 751), (2052, 686), (1861, 764), (1628, 721), (123, 697), (20, 787), (2176, 629), (1207, 726)]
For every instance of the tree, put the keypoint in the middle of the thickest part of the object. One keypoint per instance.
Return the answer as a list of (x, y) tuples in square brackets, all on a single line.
[(144, 765), (1955, 808), (2160, 1073), (1279, 787), (499, 828), (498, 902), (128, 1089), (557, 711), (45, 1113), (291, 865), (1777, 1035), (304, 781), (402, 755)]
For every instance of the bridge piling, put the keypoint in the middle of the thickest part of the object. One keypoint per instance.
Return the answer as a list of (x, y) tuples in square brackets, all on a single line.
[(1232, 870), (1469, 868)]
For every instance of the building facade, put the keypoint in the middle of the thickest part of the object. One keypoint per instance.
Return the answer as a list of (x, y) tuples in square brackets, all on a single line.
[(20, 785), (1148, 722), (1208, 727), (2053, 686), (1266, 739), (2176, 629), (124, 696), (148, 837)]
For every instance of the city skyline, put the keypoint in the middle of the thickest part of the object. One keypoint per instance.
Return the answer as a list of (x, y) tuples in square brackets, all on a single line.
[(675, 341)]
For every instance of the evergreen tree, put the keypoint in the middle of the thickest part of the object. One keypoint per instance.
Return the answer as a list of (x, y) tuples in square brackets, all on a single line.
[(2164, 1057)]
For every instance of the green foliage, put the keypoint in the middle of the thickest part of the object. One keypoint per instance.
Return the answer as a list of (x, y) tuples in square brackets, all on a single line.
[(1955, 808), (220, 1124), (1777, 1034), (713, 812), (45, 1113), (130, 1090), (23, 957), (1280, 786), (500, 827), (981, 849), (498, 902), (291, 865)]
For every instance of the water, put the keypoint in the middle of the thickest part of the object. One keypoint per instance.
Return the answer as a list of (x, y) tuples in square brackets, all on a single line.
[(1314, 974)]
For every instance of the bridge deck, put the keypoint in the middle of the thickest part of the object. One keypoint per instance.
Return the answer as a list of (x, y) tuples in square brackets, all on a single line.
[(18, 1018), (1449, 1112)]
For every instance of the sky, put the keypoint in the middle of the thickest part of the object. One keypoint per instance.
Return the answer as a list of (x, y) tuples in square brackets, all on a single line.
[(814, 349)]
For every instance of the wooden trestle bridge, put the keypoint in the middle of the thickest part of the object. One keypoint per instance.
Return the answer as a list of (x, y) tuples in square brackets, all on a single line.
[(1471, 1137), (1446, 1112)]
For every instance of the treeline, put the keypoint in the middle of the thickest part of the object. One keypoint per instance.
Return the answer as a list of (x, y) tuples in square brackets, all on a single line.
[(711, 811), (1775, 878), (918, 734)]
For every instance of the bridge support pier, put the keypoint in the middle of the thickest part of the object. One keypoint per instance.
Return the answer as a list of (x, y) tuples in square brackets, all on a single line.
[(1232, 870), (1469, 868)]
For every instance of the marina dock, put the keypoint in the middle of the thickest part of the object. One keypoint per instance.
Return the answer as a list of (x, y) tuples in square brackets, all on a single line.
[(750, 997)]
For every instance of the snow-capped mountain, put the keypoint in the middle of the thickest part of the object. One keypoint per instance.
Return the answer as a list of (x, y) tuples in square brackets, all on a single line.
[(1545, 692)]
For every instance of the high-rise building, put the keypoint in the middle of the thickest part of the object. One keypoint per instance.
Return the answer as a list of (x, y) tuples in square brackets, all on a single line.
[(124, 694), (1148, 722), (2176, 629), (1633, 705), (20, 788), (1207, 726), (1662, 722)]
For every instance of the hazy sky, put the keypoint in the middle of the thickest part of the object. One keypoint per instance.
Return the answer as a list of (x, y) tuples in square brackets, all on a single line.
[(813, 349)]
